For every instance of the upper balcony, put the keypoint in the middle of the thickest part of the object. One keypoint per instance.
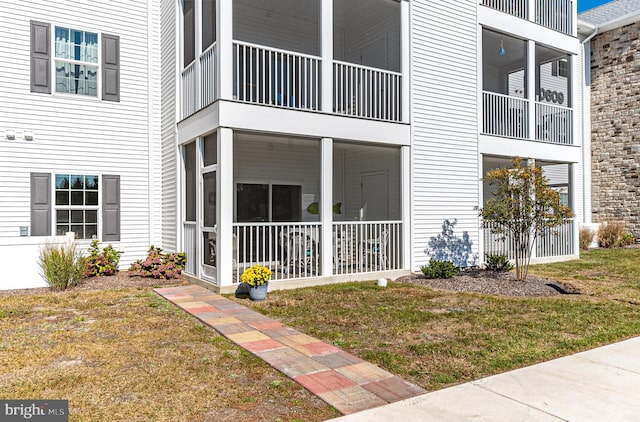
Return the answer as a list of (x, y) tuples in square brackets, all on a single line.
[(333, 56), (554, 14), (526, 90)]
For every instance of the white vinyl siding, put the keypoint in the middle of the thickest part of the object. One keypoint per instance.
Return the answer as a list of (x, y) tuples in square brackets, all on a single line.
[(76, 135), (169, 97), (444, 118)]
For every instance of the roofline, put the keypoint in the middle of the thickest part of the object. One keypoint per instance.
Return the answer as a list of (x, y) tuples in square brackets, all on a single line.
[(612, 24)]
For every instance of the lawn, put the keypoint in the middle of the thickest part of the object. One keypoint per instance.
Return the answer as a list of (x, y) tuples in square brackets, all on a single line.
[(436, 338), (128, 355)]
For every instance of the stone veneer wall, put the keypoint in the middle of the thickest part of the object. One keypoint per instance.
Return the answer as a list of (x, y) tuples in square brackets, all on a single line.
[(615, 126)]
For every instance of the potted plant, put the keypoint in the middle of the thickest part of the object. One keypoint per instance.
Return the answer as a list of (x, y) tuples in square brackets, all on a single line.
[(257, 278)]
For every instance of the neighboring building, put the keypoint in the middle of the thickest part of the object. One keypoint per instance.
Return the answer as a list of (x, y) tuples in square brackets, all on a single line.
[(387, 111), (330, 140), (614, 50), (79, 129)]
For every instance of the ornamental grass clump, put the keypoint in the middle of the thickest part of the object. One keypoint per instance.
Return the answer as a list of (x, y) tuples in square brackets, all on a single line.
[(62, 266), (256, 276), (159, 265)]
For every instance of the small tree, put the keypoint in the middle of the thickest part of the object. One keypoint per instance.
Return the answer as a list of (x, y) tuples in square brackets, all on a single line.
[(522, 208)]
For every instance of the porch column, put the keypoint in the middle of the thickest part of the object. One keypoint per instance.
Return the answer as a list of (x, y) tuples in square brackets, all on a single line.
[(531, 162), (532, 95), (224, 211), (405, 61), (197, 30), (326, 52), (573, 203), (224, 39), (326, 209), (405, 201)]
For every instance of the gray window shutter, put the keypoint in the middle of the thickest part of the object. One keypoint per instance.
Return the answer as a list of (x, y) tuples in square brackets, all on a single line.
[(40, 57), (110, 67), (40, 204), (110, 208)]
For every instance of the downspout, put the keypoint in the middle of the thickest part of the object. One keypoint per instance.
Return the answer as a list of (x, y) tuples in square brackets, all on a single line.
[(587, 68)]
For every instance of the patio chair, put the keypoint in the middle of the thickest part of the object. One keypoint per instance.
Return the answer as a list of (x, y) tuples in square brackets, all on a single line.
[(299, 253), (374, 252)]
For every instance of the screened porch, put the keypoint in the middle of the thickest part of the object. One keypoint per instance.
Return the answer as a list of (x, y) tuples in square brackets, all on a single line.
[(275, 56), (277, 208), (557, 242)]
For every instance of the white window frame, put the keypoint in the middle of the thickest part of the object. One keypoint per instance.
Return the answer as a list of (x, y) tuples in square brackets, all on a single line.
[(96, 208), (270, 184), (55, 59)]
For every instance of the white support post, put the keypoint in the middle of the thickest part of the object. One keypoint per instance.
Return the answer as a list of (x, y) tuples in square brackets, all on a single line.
[(197, 30), (224, 211), (405, 202), (532, 93), (224, 37), (405, 62), (326, 52), (531, 162), (573, 203), (326, 208)]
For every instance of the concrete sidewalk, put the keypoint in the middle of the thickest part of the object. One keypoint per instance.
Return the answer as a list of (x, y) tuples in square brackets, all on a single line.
[(598, 385)]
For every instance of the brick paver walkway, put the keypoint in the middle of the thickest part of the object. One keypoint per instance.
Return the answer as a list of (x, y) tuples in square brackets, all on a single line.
[(344, 381)]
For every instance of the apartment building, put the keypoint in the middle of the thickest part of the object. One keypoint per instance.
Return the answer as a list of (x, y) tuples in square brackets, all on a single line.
[(330, 140), (334, 140)]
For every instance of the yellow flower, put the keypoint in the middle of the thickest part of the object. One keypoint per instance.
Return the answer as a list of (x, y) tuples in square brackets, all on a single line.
[(256, 275)]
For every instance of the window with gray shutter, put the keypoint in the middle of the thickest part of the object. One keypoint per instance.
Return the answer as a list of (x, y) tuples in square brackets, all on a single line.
[(110, 208), (40, 204), (110, 67), (40, 57)]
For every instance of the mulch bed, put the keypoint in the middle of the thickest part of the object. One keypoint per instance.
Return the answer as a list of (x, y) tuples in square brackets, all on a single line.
[(488, 282), (118, 281)]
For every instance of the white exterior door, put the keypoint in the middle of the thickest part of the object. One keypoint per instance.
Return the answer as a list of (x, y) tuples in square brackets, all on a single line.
[(374, 205)]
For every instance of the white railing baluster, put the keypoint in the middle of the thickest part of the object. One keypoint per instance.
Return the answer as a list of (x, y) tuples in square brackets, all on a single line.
[(366, 92), (188, 87), (554, 124), (505, 116)]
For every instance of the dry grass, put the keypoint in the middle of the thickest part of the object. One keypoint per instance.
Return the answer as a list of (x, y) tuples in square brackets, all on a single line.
[(437, 338), (129, 355)]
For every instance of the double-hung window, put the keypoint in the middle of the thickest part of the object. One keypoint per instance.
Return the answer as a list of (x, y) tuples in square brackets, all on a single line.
[(83, 63), (76, 205), (76, 61)]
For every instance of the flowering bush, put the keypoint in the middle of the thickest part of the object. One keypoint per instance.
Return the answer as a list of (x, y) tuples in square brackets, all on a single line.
[(105, 263), (159, 265), (256, 275)]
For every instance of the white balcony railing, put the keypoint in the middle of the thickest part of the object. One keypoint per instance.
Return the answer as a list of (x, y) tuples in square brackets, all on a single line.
[(208, 91), (555, 14), (517, 8), (366, 92), (293, 250), (189, 94), (275, 77), (505, 116), (190, 237), (554, 124), (555, 242), (290, 250), (366, 246)]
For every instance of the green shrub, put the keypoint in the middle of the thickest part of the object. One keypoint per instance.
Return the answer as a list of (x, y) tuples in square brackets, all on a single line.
[(105, 263), (439, 269), (585, 237), (159, 265), (626, 239), (62, 266), (498, 263), (610, 233)]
